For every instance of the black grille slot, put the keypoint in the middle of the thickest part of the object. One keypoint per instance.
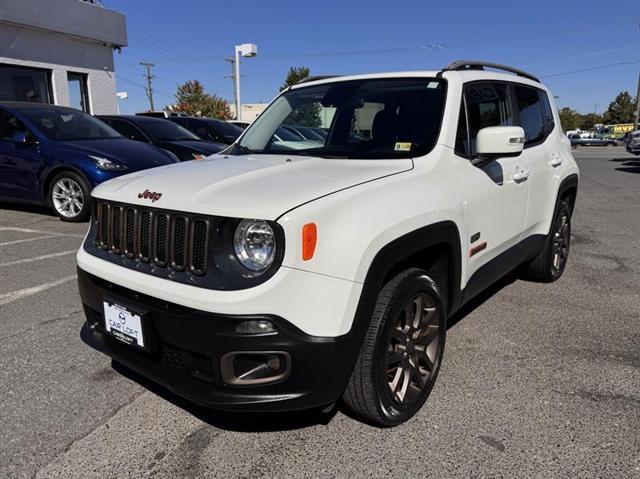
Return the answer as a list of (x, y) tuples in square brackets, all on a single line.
[(199, 246), (103, 227), (179, 240), (116, 229), (145, 236), (161, 239), (130, 232), (176, 241)]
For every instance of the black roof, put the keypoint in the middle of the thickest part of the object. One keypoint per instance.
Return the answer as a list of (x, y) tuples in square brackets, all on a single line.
[(30, 104), (134, 118)]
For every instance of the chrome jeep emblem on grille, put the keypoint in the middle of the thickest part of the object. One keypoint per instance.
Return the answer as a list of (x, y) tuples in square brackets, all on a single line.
[(150, 195)]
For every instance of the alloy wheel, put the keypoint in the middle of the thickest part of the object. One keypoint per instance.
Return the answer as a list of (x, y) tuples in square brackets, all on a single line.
[(413, 350), (67, 197), (561, 239)]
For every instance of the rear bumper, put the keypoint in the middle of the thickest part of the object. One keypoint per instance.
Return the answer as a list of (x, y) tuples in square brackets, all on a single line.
[(188, 344)]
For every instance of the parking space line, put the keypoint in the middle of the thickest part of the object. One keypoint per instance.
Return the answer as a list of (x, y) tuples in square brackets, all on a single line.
[(26, 240), (38, 258), (12, 296)]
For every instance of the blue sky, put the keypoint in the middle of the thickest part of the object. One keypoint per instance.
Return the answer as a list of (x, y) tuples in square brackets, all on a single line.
[(189, 39)]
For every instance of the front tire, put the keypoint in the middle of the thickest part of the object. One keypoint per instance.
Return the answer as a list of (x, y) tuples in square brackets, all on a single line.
[(402, 351), (549, 265), (69, 197)]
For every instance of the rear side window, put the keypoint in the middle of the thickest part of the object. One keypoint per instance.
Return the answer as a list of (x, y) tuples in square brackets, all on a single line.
[(487, 104), (127, 130), (530, 114), (549, 123)]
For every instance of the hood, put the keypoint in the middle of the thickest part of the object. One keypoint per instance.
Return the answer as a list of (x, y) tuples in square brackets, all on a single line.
[(134, 154), (195, 146), (260, 186)]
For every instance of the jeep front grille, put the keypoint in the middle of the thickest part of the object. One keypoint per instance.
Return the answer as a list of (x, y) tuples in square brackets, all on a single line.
[(172, 240)]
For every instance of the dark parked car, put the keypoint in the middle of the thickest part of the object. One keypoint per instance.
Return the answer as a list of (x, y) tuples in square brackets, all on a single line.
[(209, 129), (54, 156), (165, 134)]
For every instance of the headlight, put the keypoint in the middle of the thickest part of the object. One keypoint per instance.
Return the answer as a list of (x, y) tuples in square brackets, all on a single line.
[(105, 164), (254, 243)]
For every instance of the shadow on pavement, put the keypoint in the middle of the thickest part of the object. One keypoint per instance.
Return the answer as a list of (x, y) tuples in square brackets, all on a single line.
[(27, 208), (233, 421), (630, 169)]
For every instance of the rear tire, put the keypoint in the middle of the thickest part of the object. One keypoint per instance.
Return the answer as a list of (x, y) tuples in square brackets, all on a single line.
[(402, 351), (549, 265), (69, 196)]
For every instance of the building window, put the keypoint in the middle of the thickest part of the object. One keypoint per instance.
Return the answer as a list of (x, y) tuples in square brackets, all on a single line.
[(78, 97), (24, 84)]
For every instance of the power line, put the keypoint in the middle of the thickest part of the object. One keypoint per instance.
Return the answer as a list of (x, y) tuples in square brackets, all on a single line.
[(598, 67), (425, 47)]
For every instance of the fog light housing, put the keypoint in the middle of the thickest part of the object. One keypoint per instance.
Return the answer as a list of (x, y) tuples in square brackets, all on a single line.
[(248, 368), (256, 327)]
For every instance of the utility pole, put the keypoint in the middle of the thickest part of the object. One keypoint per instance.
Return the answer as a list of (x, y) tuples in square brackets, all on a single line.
[(149, 77), (637, 122), (233, 79)]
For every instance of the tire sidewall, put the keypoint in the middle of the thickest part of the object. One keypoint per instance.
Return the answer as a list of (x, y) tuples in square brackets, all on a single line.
[(562, 208), (415, 283), (86, 207)]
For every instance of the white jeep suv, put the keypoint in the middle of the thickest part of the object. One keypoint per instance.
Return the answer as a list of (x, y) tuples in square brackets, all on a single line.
[(280, 276)]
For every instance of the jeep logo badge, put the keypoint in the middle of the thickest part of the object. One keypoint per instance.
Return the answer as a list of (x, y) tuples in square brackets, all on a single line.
[(150, 195)]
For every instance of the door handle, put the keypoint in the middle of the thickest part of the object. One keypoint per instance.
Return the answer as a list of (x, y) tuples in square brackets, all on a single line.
[(520, 176), (556, 160)]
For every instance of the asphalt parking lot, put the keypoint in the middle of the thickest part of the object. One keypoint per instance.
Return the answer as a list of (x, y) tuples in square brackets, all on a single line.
[(537, 380)]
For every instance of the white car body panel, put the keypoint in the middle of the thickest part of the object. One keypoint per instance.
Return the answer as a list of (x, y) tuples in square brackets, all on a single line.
[(359, 206), (263, 186)]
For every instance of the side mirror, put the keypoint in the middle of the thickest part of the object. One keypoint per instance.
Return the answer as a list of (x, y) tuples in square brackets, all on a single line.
[(498, 141), (18, 137)]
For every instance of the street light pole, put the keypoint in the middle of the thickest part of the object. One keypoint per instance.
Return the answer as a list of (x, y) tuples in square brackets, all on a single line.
[(246, 50)]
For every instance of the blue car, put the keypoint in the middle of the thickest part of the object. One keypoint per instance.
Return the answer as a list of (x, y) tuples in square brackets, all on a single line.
[(54, 156)]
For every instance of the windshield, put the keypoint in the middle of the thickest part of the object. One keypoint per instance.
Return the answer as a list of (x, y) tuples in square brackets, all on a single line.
[(378, 118), (66, 124), (165, 130)]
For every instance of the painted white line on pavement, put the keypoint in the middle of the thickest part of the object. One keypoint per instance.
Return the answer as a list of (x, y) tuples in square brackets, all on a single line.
[(12, 296), (38, 258), (26, 230), (26, 240)]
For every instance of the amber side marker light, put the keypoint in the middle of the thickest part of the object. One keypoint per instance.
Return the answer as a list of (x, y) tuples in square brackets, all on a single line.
[(309, 239)]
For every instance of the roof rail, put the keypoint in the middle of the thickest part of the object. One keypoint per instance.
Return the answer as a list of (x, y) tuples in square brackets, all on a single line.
[(480, 65), (316, 78)]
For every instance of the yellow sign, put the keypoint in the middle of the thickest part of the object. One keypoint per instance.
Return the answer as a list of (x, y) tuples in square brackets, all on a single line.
[(621, 128)]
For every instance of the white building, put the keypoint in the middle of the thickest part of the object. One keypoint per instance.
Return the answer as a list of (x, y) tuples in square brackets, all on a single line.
[(60, 52)]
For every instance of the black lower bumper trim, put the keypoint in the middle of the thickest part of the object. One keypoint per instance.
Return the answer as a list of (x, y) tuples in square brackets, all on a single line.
[(186, 346)]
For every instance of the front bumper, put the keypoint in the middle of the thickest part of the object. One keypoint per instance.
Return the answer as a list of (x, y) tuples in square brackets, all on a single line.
[(188, 345)]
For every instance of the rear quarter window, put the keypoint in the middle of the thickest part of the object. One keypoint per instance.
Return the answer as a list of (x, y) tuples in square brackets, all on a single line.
[(530, 114)]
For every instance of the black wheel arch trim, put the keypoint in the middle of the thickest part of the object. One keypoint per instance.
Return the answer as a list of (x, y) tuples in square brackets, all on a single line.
[(570, 182)]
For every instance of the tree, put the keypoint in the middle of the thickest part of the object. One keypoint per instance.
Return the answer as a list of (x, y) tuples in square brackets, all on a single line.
[(622, 109), (294, 76), (589, 121), (307, 114), (570, 119), (193, 100)]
